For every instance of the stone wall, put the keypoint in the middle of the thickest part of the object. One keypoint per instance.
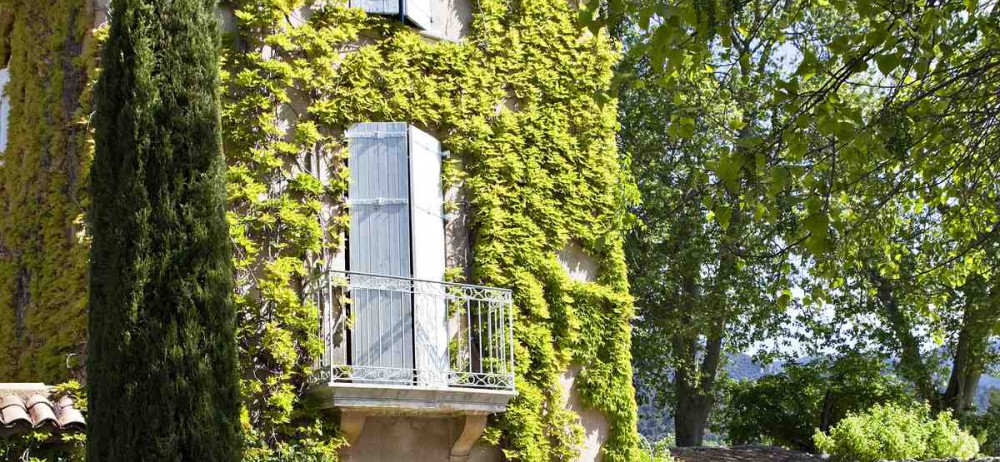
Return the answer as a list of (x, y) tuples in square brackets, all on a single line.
[(393, 438)]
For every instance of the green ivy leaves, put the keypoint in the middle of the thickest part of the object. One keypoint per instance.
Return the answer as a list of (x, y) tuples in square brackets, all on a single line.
[(521, 103)]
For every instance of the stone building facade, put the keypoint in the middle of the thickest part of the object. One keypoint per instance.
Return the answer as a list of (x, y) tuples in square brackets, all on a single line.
[(414, 366)]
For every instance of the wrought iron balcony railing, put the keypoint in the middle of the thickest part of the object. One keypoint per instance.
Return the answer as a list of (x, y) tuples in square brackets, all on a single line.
[(392, 330)]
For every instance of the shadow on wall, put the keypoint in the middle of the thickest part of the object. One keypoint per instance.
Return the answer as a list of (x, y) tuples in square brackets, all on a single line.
[(594, 423), (393, 438)]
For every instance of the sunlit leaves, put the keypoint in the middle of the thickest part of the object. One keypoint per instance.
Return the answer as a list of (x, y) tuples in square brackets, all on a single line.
[(870, 138)]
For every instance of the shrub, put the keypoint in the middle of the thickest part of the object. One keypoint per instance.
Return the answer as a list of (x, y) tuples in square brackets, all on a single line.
[(658, 451), (946, 439), (986, 426), (896, 432), (43, 446), (825, 391)]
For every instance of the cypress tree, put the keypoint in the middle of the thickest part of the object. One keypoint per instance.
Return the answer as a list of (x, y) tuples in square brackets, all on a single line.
[(161, 371)]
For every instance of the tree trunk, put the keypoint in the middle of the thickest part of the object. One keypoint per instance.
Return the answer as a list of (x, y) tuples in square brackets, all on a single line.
[(696, 394), (969, 363), (826, 416), (691, 416), (911, 362)]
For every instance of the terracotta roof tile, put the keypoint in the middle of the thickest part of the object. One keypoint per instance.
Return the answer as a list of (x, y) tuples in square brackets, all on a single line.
[(29, 406), (13, 413), (70, 418), (42, 412)]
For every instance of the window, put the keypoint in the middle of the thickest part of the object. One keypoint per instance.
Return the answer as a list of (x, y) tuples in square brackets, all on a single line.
[(419, 13), (4, 109), (397, 232)]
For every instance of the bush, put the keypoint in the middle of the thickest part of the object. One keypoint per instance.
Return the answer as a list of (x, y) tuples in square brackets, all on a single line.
[(43, 446), (785, 409), (986, 426), (896, 432), (946, 439), (658, 451)]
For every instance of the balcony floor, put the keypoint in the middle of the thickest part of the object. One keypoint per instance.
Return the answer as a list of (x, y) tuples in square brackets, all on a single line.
[(382, 399)]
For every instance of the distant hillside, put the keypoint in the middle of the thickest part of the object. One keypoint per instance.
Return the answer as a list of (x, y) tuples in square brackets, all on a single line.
[(987, 385), (656, 424)]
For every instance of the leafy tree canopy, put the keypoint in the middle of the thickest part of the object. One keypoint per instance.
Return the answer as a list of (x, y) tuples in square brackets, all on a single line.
[(848, 153)]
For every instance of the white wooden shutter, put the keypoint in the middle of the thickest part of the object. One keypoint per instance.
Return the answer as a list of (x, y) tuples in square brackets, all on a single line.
[(4, 110), (426, 212), (379, 243), (389, 7), (420, 13)]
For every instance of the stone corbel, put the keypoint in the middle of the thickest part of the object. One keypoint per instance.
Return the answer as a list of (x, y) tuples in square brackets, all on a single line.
[(351, 424), (473, 429)]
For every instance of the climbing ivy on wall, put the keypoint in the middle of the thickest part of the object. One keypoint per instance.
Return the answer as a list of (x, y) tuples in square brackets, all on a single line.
[(275, 205), (43, 177), (520, 104)]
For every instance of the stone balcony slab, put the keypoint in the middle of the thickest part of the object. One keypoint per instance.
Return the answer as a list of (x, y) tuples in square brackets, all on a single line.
[(379, 399)]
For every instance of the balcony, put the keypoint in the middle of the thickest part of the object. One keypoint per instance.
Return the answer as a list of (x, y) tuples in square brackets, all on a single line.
[(400, 345)]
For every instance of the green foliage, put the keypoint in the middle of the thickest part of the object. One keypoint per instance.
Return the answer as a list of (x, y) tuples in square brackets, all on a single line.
[(895, 432), (274, 206), (532, 133), (787, 408), (43, 178), (862, 147), (658, 452), (162, 371), (986, 426), (701, 290), (43, 446), (537, 178)]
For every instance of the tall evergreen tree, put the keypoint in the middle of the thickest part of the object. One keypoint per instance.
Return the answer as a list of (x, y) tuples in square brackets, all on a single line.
[(161, 374)]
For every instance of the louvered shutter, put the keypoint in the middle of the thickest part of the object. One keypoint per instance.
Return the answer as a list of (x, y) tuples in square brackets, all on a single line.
[(4, 109), (390, 7), (426, 210), (379, 243), (420, 13)]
